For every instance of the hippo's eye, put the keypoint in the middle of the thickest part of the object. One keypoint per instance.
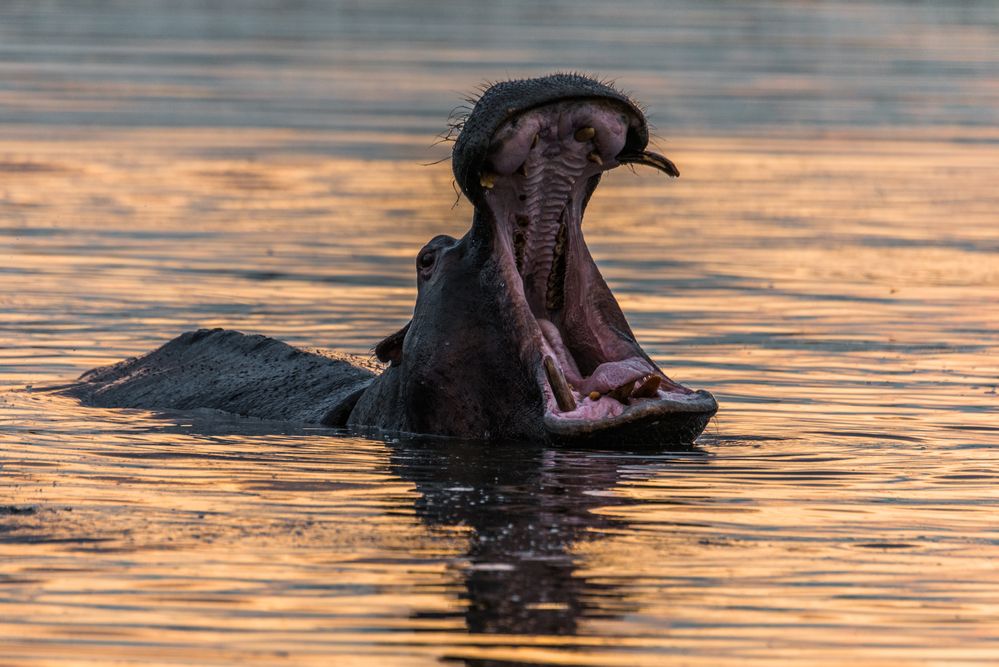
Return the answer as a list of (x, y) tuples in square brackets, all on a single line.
[(427, 258)]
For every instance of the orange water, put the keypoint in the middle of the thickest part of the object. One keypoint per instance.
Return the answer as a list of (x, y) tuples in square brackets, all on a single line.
[(830, 271)]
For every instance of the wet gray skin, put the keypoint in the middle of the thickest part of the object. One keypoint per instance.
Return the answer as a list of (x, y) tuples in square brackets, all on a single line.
[(515, 334)]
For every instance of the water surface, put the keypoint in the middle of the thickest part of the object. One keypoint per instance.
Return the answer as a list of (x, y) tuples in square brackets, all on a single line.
[(827, 265)]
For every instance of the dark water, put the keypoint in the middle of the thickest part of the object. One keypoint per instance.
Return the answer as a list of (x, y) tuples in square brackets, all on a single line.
[(828, 266)]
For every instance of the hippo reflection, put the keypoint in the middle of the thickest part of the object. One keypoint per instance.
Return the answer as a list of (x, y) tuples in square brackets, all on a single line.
[(515, 334), (530, 510)]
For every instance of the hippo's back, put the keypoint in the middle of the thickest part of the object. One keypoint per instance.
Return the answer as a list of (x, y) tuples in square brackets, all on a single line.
[(227, 370)]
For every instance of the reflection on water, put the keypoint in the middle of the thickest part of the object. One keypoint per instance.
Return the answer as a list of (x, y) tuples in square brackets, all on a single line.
[(174, 538), (827, 266), (527, 509)]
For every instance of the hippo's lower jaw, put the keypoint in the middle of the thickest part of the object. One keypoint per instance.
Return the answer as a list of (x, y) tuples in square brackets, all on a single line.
[(657, 420), (595, 379)]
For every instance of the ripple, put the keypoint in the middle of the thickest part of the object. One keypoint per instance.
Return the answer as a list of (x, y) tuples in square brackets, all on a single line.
[(825, 266)]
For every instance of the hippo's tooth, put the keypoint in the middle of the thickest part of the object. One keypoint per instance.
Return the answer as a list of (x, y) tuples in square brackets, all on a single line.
[(585, 134), (534, 141), (623, 392), (522, 169), (487, 180), (648, 387), (595, 158), (650, 159), (563, 395), (594, 395)]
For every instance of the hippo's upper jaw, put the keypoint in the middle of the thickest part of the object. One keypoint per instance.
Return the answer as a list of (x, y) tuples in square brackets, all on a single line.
[(531, 187)]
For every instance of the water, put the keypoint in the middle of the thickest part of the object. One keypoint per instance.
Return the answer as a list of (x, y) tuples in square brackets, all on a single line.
[(827, 265)]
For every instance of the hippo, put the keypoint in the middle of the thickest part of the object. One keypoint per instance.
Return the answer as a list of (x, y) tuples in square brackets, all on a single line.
[(514, 335)]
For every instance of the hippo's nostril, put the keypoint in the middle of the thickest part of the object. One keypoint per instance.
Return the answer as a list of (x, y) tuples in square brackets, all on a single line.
[(585, 134)]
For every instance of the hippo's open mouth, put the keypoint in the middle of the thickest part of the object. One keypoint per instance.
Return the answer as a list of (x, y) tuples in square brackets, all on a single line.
[(541, 168)]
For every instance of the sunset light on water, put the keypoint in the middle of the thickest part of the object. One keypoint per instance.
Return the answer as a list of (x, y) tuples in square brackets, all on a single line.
[(827, 265)]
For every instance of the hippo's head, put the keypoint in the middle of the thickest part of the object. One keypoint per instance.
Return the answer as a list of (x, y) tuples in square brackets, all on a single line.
[(515, 334)]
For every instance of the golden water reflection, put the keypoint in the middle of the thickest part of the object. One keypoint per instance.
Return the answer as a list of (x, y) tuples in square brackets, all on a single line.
[(827, 265), (836, 294)]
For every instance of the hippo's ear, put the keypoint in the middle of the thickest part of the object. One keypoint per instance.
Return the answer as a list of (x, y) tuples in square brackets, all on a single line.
[(390, 349)]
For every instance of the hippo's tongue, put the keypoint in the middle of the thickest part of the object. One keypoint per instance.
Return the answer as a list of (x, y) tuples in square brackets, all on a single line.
[(613, 374)]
